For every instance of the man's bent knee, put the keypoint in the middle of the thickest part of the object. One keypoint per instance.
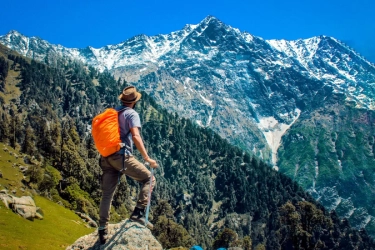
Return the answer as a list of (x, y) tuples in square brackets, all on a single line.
[(148, 180)]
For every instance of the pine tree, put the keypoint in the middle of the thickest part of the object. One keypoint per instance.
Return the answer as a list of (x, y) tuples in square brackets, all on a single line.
[(4, 67), (225, 239), (28, 142), (5, 130), (247, 243)]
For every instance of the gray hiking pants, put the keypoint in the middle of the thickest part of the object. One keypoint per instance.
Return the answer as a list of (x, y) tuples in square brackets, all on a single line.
[(111, 167)]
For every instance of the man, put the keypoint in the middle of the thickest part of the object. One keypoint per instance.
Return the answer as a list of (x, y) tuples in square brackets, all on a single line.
[(124, 162)]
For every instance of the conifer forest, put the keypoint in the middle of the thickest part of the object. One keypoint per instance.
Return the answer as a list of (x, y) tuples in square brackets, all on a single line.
[(208, 191)]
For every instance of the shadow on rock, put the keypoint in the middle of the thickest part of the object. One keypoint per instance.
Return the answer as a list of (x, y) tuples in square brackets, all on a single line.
[(124, 235)]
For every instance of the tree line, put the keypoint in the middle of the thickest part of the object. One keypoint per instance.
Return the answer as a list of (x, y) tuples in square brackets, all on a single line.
[(208, 191)]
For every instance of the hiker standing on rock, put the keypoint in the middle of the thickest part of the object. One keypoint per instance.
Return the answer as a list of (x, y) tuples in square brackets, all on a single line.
[(124, 162)]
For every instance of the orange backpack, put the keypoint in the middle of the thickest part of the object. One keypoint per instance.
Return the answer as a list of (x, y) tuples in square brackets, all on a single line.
[(106, 132)]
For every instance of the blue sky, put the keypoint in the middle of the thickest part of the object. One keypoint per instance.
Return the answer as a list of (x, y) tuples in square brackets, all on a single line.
[(77, 24)]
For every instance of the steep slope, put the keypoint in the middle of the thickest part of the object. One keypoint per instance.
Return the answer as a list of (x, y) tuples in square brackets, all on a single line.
[(59, 228), (330, 151), (335, 64), (249, 90), (204, 183)]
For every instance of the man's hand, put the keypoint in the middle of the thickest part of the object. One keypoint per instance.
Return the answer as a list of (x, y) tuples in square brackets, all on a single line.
[(137, 139), (152, 162)]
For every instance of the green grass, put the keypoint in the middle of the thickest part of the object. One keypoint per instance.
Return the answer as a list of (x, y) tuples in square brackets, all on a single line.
[(59, 228), (12, 176)]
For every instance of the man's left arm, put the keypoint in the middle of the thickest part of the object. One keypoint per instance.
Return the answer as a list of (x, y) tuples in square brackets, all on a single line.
[(138, 142)]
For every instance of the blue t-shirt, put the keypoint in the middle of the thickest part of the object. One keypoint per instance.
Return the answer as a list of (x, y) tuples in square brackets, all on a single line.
[(128, 119)]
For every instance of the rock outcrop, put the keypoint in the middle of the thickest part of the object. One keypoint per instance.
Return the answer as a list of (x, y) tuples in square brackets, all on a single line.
[(24, 206), (124, 235), (87, 219)]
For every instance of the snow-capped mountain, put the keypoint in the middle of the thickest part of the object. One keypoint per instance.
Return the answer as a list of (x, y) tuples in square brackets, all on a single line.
[(250, 90), (231, 80)]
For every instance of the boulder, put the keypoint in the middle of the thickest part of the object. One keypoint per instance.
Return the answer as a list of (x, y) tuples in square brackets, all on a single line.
[(87, 218), (24, 206), (23, 169), (5, 198), (124, 235)]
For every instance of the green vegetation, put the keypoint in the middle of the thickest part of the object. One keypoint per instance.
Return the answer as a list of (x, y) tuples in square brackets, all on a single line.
[(9, 167), (59, 228), (226, 238), (333, 146), (207, 183), (169, 233)]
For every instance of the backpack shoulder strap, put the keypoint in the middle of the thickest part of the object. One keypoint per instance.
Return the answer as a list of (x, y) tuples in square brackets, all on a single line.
[(119, 110)]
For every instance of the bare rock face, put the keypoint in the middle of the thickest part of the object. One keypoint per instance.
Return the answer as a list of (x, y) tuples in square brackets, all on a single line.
[(24, 206), (89, 221), (124, 235)]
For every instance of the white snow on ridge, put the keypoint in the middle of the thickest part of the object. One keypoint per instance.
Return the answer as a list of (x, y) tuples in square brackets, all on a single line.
[(280, 45), (205, 100), (338, 71), (199, 122), (302, 50), (247, 37), (112, 56)]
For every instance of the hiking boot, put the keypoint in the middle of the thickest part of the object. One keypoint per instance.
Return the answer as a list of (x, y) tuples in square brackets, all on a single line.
[(138, 215), (103, 235)]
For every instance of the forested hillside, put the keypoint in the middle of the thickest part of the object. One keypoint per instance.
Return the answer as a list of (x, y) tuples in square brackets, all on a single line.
[(208, 192), (333, 149)]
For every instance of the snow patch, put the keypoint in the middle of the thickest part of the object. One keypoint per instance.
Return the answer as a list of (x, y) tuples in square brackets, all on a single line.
[(340, 165), (273, 131), (366, 221), (206, 100), (209, 118), (350, 213)]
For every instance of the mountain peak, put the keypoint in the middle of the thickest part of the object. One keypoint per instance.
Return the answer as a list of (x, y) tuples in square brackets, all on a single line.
[(14, 32), (211, 20), (256, 95)]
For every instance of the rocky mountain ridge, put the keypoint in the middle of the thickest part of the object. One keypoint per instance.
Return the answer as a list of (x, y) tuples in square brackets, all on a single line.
[(252, 91), (204, 183), (213, 73)]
